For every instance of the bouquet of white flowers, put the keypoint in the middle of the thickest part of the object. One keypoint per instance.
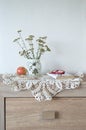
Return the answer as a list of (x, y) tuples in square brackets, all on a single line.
[(27, 48)]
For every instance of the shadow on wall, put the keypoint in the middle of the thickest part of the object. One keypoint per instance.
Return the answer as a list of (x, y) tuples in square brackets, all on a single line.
[(50, 59)]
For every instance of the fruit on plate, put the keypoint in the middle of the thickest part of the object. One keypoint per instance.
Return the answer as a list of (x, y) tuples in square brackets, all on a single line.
[(21, 70), (57, 72)]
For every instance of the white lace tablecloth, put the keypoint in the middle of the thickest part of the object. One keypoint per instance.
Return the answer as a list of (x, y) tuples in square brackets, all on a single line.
[(43, 87)]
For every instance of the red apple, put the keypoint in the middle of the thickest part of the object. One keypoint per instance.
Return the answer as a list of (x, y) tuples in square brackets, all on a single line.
[(21, 70)]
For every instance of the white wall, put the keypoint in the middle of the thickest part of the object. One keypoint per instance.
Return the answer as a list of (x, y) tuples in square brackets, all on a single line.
[(64, 23)]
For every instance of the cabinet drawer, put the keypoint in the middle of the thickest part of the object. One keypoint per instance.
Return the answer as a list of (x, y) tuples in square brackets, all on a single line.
[(27, 114)]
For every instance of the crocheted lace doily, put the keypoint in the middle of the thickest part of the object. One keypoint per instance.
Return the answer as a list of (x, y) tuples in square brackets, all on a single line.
[(42, 88)]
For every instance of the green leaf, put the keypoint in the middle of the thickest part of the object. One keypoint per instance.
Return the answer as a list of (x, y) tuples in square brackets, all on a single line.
[(19, 31), (42, 50), (45, 37), (15, 40), (35, 71), (40, 41), (48, 49)]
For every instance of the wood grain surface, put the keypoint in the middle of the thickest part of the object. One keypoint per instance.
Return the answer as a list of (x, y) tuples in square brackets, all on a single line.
[(26, 114)]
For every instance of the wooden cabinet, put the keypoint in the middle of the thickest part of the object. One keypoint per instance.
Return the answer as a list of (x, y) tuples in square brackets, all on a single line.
[(20, 111), (27, 114)]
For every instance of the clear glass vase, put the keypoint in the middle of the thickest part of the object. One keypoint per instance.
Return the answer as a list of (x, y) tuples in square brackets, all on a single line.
[(34, 67)]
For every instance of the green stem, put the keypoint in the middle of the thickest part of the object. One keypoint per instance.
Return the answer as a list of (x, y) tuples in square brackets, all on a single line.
[(20, 45), (22, 40)]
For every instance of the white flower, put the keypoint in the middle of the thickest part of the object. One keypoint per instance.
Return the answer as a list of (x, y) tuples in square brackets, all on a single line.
[(28, 50)]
